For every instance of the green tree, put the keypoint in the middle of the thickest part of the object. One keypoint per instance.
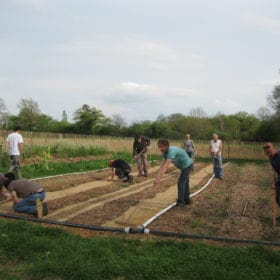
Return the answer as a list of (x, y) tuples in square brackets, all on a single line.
[(29, 113), (87, 117), (46, 123)]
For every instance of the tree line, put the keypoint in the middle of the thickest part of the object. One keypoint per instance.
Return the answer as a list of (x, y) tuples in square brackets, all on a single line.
[(262, 126)]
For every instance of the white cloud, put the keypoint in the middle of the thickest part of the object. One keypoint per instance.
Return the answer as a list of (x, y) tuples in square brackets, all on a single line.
[(134, 87), (262, 21), (158, 56)]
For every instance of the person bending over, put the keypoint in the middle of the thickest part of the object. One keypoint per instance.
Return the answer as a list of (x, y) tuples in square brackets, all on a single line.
[(182, 161), (27, 196), (121, 169)]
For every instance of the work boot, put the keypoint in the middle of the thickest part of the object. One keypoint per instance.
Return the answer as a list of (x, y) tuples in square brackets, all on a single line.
[(39, 208), (45, 209), (130, 179), (188, 201), (180, 204), (145, 174)]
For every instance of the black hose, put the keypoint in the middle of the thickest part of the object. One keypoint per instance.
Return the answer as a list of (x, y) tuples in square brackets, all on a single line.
[(83, 226), (142, 230)]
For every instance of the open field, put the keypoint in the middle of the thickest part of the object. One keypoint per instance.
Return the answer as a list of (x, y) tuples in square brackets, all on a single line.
[(240, 206)]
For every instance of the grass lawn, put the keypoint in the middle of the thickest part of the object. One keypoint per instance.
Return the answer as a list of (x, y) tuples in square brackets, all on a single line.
[(30, 252)]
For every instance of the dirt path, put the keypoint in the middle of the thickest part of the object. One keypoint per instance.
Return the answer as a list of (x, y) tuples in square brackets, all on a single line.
[(76, 209), (147, 208)]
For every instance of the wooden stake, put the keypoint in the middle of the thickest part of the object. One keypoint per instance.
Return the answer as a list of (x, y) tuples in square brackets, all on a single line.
[(245, 208)]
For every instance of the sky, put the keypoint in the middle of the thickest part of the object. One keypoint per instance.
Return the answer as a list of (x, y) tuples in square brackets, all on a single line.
[(139, 58)]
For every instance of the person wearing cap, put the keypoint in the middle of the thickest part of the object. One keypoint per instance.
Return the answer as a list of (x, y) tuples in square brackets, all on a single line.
[(14, 146), (140, 147), (121, 169), (27, 196)]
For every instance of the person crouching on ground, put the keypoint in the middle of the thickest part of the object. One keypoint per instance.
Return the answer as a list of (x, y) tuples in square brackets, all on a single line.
[(121, 169), (27, 196), (182, 161)]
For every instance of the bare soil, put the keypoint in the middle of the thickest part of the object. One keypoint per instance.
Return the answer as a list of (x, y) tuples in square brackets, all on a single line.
[(239, 206)]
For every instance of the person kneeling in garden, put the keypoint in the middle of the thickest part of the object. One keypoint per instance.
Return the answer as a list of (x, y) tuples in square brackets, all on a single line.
[(27, 196), (121, 169)]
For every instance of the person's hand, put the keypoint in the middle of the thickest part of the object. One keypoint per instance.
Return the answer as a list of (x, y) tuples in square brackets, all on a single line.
[(13, 194), (156, 182)]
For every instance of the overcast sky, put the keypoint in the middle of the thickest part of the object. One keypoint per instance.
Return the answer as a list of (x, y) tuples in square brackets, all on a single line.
[(139, 58)]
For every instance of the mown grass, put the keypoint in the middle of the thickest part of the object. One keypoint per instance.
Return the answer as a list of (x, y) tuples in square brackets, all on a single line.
[(33, 252)]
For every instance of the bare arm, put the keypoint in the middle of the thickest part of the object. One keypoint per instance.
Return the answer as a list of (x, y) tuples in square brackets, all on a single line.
[(15, 197), (162, 171), (21, 147), (113, 174), (220, 147)]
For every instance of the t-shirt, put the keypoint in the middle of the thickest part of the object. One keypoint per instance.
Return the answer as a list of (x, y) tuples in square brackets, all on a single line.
[(24, 187), (178, 157), (13, 140), (275, 162), (121, 164), (188, 144), (215, 146), (139, 146)]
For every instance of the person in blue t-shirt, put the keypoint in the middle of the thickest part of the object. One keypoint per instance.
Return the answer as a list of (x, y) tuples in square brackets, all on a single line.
[(182, 161)]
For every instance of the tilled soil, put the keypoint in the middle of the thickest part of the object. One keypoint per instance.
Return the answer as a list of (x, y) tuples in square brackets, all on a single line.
[(239, 206)]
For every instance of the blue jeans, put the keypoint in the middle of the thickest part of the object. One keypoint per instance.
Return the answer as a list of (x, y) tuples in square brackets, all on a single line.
[(190, 154), (28, 204), (217, 166), (183, 185)]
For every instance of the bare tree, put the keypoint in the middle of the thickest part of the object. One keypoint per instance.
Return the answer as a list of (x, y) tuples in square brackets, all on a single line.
[(3, 113), (263, 113), (198, 113)]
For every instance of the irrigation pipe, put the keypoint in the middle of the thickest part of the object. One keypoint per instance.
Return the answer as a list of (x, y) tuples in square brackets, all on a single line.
[(174, 203), (76, 173), (69, 174), (144, 231)]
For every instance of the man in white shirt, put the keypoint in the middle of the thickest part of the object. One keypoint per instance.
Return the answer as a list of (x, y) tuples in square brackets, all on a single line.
[(215, 150), (14, 148)]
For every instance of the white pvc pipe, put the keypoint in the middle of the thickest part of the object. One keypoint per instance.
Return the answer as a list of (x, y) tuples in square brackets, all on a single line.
[(69, 174), (174, 203)]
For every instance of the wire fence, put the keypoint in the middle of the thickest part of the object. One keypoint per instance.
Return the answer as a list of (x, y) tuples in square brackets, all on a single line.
[(231, 149)]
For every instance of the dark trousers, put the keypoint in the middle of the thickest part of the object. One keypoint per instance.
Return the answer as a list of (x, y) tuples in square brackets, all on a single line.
[(122, 173), (183, 185)]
